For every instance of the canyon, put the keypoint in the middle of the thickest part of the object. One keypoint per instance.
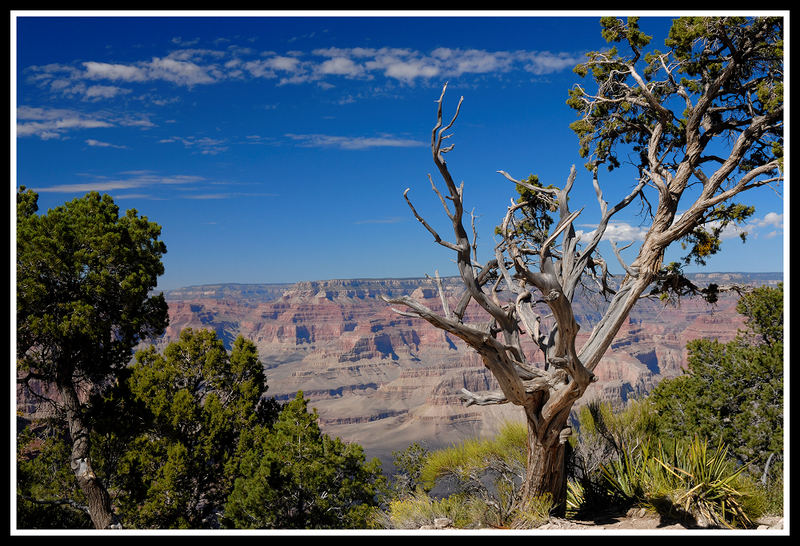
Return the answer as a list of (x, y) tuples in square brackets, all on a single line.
[(384, 380)]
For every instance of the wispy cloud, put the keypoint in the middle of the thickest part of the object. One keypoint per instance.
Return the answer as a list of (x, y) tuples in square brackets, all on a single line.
[(756, 227), (772, 219), (225, 195), (122, 183), (203, 145), (49, 123), (170, 69), (190, 66), (149, 185), (352, 143), (100, 144), (97, 92)]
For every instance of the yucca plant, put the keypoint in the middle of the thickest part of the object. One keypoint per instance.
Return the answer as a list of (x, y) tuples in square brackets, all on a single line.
[(688, 479), (706, 484), (631, 476), (576, 497)]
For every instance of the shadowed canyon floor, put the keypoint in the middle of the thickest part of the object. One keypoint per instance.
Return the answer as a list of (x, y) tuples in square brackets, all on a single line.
[(385, 380)]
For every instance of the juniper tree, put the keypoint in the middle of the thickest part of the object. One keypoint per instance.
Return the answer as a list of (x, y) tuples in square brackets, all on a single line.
[(293, 476), (705, 113), (196, 400), (733, 392), (84, 281)]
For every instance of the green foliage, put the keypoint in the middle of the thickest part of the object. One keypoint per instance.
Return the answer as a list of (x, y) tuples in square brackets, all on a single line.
[(671, 284), (468, 461), (84, 275), (654, 453), (417, 509), (408, 463), (487, 472), (705, 239), (535, 221), (617, 428), (534, 513), (688, 481), (603, 439), (194, 402), (664, 111), (187, 439), (614, 30), (482, 477), (763, 312), (84, 280), (47, 496), (702, 49), (293, 476), (733, 392)]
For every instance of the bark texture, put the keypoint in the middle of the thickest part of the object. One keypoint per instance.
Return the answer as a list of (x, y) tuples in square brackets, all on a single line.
[(99, 501)]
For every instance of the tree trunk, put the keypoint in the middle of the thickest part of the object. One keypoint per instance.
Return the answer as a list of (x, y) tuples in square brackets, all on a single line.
[(98, 498), (546, 472)]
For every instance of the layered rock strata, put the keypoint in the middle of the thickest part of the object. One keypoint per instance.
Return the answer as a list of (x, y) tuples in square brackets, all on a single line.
[(385, 380)]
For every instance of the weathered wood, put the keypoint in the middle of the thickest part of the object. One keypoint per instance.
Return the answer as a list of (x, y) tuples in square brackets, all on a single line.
[(525, 273)]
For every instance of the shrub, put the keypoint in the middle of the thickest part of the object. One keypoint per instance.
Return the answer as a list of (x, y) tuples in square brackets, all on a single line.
[(418, 509), (488, 471), (535, 513), (482, 478), (689, 481), (601, 442)]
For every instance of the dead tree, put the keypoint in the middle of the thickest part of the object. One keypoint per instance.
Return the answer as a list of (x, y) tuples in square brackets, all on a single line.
[(544, 272)]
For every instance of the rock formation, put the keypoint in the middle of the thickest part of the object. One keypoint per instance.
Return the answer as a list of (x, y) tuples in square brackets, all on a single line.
[(385, 380)]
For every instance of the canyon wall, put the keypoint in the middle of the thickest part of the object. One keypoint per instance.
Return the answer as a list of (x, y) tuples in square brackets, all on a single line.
[(384, 380)]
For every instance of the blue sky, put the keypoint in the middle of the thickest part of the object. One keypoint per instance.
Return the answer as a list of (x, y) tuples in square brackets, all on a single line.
[(276, 148)]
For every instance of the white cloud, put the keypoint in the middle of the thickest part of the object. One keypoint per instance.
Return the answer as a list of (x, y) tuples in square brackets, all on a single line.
[(340, 66), (180, 41), (409, 65), (752, 227), (107, 71), (49, 123), (352, 143), (271, 67), (52, 123), (180, 72), (204, 145), (287, 64), (99, 144), (770, 219), (138, 181), (174, 70), (617, 232), (546, 62), (104, 92), (191, 54), (472, 61), (196, 66), (410, 70)]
